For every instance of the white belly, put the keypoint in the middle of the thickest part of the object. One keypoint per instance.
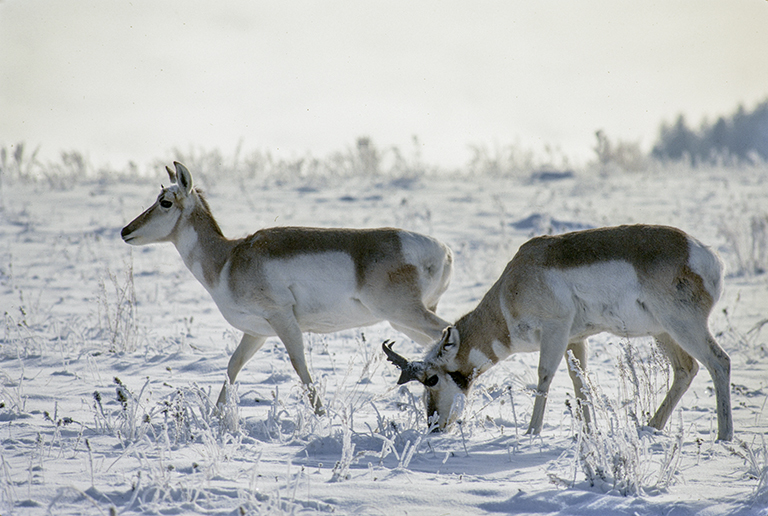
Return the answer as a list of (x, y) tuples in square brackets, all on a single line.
[(321, 291), (607, 297)]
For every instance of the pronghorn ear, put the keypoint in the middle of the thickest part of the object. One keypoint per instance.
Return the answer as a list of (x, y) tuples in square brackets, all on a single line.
[(171, 174), (450, 338), (184, 178), (449, 344)]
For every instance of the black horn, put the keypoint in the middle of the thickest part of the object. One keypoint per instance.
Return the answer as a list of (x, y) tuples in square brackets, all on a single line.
[(409, 370)]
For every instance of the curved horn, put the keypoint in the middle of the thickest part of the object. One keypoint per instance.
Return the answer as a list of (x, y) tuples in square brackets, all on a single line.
[(409, 370)]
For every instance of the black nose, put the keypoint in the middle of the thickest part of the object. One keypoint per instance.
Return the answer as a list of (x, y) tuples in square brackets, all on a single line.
[(125, 232)]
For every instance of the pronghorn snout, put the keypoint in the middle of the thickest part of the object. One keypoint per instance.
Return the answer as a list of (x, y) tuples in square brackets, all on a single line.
[(128, 234)]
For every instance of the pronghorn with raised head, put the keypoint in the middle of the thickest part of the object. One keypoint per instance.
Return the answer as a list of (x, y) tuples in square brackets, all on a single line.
[(558, 290), (284, 281)]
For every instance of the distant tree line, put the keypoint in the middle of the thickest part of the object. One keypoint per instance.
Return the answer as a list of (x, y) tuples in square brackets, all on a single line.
[(741, 137)]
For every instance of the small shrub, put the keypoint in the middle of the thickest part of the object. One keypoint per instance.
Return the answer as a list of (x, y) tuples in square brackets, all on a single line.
[(613, 452), (748, 243), (626, 156), (117, 311), (15, 164), (755, 457)]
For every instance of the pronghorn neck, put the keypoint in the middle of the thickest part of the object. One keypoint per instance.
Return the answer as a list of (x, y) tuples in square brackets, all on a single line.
[(484, 337), (200, 242)]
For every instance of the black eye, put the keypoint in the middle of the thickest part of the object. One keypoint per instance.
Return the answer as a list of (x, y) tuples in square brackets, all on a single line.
[(431, 381), (166, 204)]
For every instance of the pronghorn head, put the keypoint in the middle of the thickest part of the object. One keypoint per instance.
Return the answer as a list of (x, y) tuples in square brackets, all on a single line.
[(158, 222), (440, 374)]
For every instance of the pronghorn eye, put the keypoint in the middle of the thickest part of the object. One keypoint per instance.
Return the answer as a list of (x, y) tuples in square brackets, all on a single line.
[(166, 204), (431, 381)]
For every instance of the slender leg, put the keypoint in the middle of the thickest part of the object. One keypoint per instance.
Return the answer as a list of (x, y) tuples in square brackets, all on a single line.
[(417, 322), (694, 337), (554, 341), (579, 350), (684, 367), (400, 302), (718, 363), (418, 336), (720, 369), (287, 328), (248, 346)]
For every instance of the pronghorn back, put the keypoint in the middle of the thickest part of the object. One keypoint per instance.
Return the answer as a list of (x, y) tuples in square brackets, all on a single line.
[(649, 249), (662, 258), (368, 248)]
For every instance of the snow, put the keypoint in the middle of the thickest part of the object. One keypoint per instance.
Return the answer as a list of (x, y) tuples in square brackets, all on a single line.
[(87, 316)]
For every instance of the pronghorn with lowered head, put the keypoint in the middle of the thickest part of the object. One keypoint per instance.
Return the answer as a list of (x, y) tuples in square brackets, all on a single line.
[(284, 281), (558, 290)]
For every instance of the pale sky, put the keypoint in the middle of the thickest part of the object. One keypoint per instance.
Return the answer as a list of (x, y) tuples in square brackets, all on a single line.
[(123, 81)]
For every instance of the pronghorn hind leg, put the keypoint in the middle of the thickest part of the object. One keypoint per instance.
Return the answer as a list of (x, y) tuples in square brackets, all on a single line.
[(721, 375), (554, 341), (420, 324), (406, 313), (396, 298), (579, 350), (718, 363), (684, 368), (248, 346), (418, 336), (693, 336), (287, 328), (722, 371)]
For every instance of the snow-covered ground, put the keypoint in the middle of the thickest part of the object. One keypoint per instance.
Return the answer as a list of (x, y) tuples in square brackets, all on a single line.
[(110, 356)]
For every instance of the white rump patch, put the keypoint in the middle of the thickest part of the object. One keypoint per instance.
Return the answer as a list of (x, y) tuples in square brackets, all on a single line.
[(706, 264)]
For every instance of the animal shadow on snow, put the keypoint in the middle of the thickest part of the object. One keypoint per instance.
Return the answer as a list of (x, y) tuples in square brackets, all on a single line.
[(434, 453)]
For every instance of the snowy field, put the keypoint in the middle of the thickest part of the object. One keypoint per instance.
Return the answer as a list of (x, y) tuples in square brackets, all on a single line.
[(110, 357)]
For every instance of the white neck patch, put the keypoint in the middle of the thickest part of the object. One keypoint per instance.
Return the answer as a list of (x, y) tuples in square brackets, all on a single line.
[(187, 245)]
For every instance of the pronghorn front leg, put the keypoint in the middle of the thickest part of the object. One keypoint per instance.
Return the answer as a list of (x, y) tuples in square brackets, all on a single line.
[(248, 346), (577, 372), (287, 328), (554, 341)]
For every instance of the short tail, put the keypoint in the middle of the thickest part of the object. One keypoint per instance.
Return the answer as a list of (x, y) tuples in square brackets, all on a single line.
[(705, 262), (438, 271)]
